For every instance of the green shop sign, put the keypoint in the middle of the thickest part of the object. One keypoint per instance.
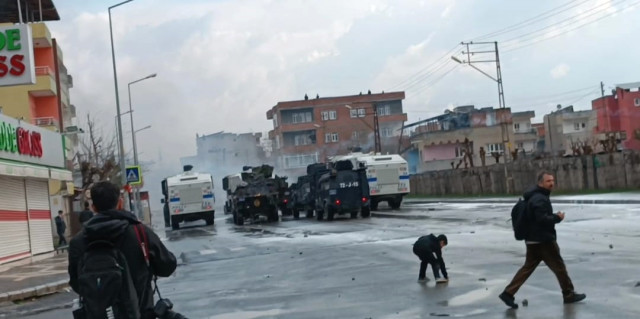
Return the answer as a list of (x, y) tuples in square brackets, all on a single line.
[(8, 139)]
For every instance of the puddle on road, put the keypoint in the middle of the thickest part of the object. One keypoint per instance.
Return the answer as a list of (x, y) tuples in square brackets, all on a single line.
[(187, 232), (249, 314)]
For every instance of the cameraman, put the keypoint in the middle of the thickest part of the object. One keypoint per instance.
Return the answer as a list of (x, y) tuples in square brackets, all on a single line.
[(117, 226)]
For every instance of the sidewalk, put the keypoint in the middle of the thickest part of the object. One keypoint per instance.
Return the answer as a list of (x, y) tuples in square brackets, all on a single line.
[(37, 279), (606, 198)]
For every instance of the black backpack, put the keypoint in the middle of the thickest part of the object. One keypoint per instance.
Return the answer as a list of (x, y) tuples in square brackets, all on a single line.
[(519, 219), (105, 283)]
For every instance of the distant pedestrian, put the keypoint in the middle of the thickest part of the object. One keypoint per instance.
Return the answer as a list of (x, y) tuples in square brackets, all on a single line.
[(61, 227), (541, 243), (86, 214), (425, 248)]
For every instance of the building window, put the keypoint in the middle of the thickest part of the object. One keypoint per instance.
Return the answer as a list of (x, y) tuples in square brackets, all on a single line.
[(275, 120), (329, 115), (353, 113), (327, 137), (386, 132), (520, 146), (384, 110), (516, 127), (355, 135), (334, 137), (636, 101), (300, 160), (277, 141), (302, 139), (584, 125), (301, 117), (361, 112), (497, 147), (576, 126)]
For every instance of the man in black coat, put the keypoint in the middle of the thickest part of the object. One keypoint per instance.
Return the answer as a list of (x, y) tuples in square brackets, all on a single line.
[(541, 243), (61, 228), (86, 214), (116, 226), (425, 248)]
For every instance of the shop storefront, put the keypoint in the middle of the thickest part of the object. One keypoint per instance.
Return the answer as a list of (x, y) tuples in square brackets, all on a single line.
[(32, 160)]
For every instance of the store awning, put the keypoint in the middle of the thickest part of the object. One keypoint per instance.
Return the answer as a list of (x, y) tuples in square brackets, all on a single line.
[(23, 170)]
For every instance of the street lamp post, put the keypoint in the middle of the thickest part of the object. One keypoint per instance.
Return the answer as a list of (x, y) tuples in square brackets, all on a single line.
[(123, 177), (136, 192)]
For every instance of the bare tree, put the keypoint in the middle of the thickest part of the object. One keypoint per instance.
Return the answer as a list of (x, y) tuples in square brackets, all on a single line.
[(97, 158)]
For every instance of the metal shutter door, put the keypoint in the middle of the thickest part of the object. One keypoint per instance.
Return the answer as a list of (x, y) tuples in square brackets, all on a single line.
[(14, 228), (40, 223)]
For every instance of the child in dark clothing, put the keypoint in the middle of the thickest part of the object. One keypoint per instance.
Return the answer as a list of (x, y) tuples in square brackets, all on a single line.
[(425, 248)]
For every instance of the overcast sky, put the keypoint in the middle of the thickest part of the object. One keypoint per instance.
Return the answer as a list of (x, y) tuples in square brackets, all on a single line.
[(222, 64)]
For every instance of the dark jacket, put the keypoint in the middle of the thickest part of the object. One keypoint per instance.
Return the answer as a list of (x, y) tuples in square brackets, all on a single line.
[(117, 227), (61, 227), (541, 219), (85, 215), (430, 244)]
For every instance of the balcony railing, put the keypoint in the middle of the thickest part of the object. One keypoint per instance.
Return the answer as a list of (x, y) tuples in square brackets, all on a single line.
[(525, 131), (43, 70), (45, 121)]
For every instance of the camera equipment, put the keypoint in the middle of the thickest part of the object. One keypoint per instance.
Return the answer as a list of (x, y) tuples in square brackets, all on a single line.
[(162, 309)]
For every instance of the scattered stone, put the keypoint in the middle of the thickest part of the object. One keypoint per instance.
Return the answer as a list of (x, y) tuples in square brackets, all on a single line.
[(267, 276), (482, 279), (593, 253), (473, 232), (433, 314), (525, 303), (610, 246), (637, 284), (353, 278), (300, 253), (305, 235)]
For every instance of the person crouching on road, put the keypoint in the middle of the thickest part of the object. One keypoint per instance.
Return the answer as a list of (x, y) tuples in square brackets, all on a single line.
[(425, 248)]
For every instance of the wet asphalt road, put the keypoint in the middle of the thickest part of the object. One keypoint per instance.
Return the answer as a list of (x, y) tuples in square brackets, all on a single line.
[(364, 268)]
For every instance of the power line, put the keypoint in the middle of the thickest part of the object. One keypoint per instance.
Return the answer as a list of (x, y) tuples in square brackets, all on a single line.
[(566, 22), (432, 83), (569, 30), (424, 78), (418, 74), (533, 20)]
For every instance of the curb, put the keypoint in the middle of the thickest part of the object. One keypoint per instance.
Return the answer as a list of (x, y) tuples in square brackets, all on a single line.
[(509, 201), (399, 215), (36, 291)]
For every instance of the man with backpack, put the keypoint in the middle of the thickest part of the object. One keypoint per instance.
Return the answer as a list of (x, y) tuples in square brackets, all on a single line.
[(539, 234), (425, 248), (113, 260)]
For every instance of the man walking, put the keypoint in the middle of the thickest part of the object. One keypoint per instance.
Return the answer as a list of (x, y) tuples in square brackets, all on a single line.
[(541, 243), (424, 248), (61, 227), (145, 255), (86, 214)]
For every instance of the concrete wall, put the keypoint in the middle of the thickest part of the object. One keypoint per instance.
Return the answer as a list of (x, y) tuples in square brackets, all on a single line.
[(572, 175)]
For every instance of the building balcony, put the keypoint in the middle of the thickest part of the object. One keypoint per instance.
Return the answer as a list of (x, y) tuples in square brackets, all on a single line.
[(45, 82), (47, 122), (41, 35)]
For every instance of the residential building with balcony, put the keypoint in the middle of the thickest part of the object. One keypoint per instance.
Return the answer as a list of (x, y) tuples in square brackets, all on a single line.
[(311, 130), (440, 140), (566, 128), (619, 113), (46, 103)]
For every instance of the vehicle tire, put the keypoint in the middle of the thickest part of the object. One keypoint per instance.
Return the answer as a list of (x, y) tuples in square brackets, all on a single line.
[(374, 205), (273, 215), (209, 219), (330, 212), (310, 213), (167, 216), (175, 223), (319, 214), (239, 220), (296, 214), (365, 212), (395, 203), (354, 215)]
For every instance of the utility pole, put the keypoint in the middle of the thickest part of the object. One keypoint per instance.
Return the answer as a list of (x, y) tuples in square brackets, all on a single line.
[(504, 123), (376, 130)]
